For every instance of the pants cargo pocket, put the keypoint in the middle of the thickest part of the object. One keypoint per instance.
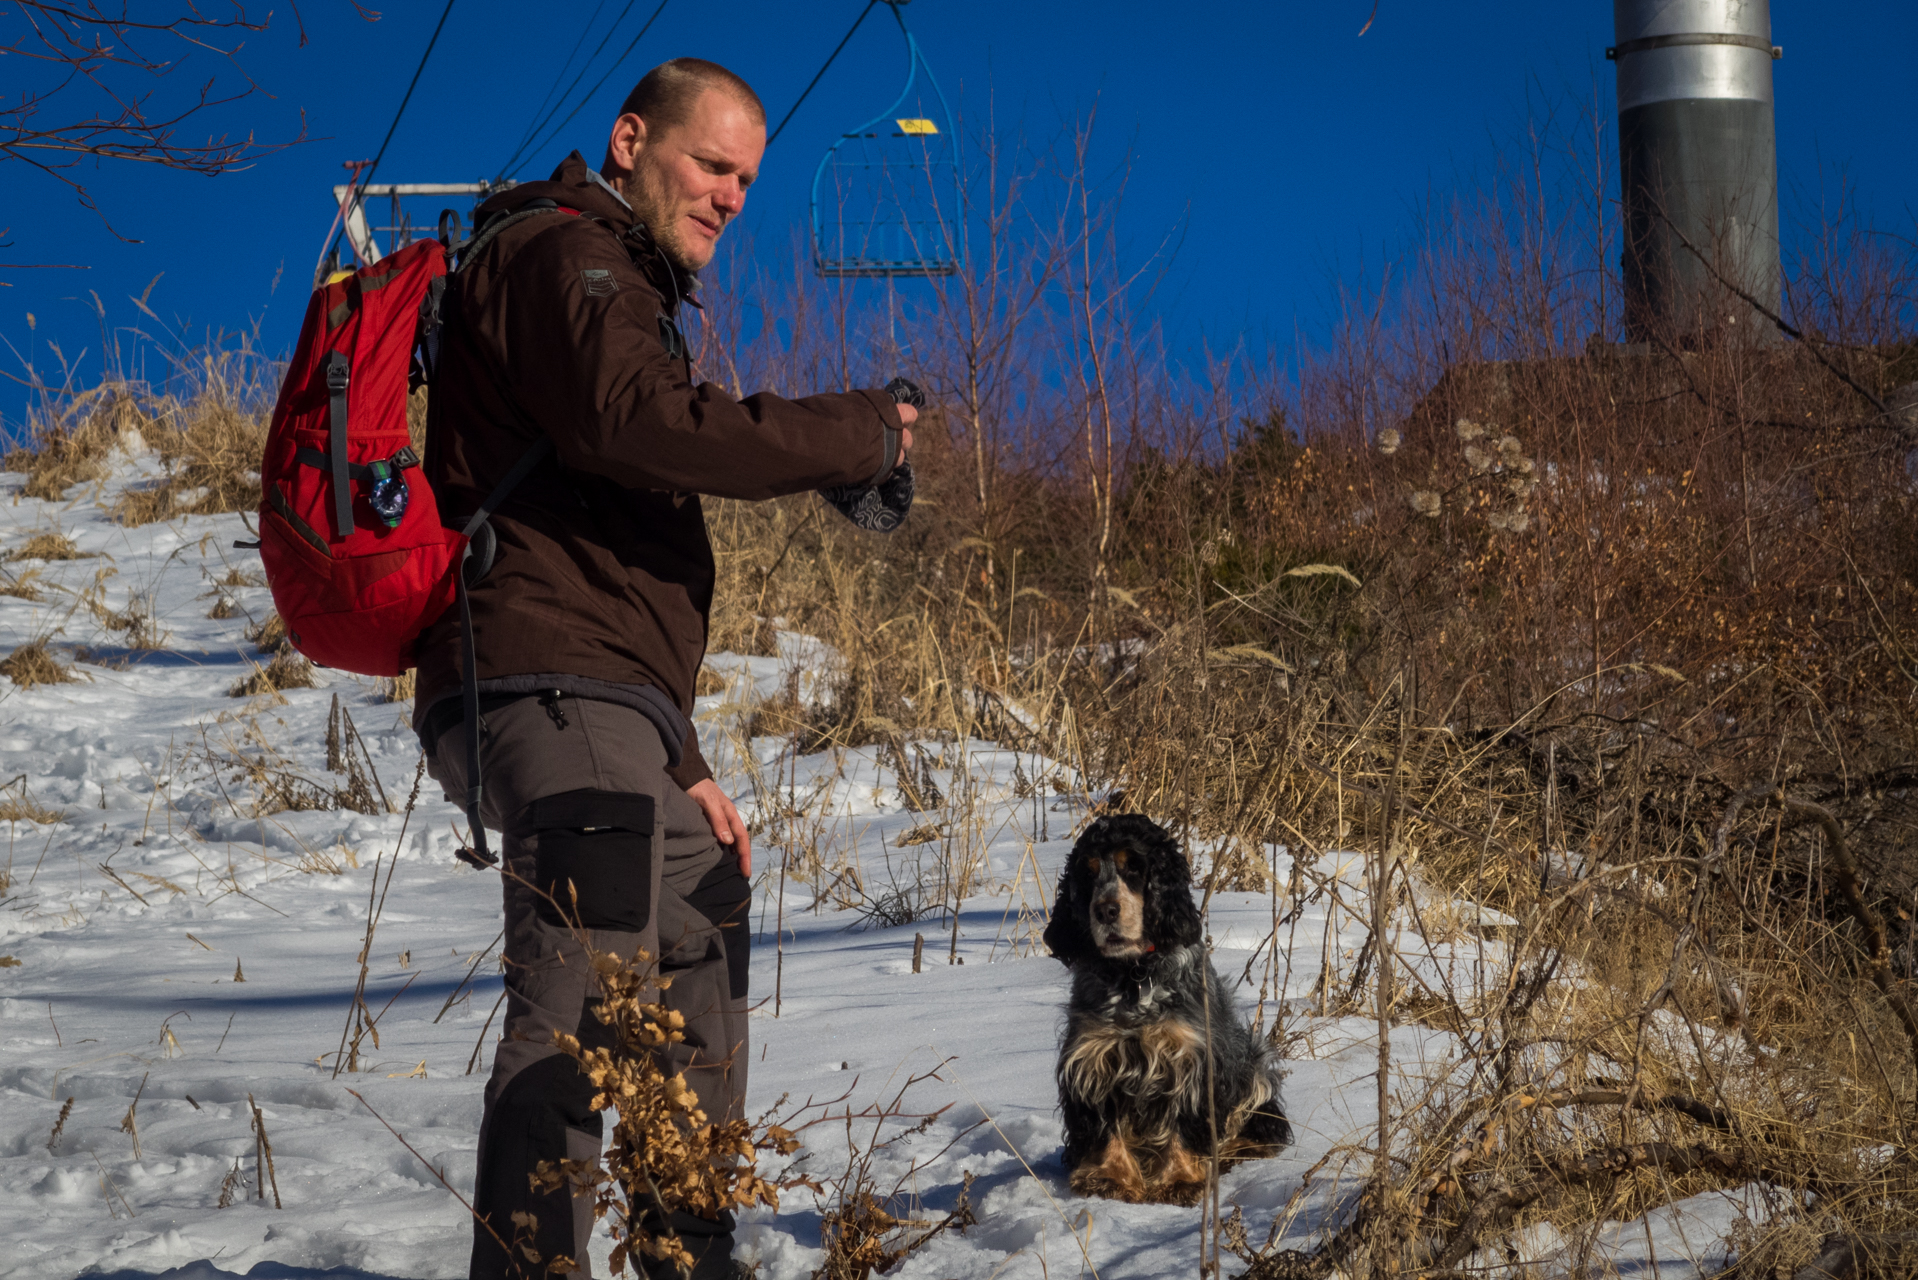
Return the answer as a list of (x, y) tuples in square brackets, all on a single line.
[(594, 866)]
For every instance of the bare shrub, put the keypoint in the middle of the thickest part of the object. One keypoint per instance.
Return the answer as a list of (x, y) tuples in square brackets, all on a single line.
[(666, 1153), (869, 1226)]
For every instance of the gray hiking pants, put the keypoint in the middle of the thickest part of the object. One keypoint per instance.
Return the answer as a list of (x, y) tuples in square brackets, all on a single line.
[(579, 790)]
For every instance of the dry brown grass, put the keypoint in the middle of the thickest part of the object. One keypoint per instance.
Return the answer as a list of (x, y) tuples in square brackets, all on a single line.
[(33, 664), (269, 635), (20, 586), (208, 434), (210, 447), (278, 783), (137, 625), (1535, 622), (18, 805), (286, 670), (72, 443), (48, 545)]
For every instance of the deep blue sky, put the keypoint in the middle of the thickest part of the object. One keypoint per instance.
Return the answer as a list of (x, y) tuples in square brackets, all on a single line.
[(1292, 148)]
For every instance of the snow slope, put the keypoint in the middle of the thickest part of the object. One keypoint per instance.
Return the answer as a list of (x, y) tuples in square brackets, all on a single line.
[(128, 927)]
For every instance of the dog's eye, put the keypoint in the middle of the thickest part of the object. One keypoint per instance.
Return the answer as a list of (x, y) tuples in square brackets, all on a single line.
[(1093, 865), (1118, 859)]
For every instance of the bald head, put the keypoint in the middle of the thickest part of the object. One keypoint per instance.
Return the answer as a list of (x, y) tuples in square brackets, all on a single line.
[(665, 96)]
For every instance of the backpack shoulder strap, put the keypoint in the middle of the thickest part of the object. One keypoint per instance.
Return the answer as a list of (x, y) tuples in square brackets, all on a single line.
[(485, 233), (473, 566)]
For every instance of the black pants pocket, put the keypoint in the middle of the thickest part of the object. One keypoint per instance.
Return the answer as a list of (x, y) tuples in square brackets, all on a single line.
[(594, 867)]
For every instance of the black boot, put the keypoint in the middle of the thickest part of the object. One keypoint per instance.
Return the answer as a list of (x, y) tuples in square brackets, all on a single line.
[(709, 1240)]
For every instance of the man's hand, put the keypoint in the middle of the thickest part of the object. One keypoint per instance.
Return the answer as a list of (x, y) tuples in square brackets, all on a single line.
[(727, 825), (907, 416)]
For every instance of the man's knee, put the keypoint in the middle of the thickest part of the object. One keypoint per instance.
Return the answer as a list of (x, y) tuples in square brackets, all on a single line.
[(724, 896)]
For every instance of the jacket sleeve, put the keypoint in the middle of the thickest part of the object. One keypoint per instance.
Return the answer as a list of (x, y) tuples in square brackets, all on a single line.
[(586, 358), (692, 768)]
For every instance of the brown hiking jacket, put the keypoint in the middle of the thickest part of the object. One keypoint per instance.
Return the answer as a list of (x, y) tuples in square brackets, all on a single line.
[(603, 579)]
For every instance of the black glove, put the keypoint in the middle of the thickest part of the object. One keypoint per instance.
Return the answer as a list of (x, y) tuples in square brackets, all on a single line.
[(882, 507)]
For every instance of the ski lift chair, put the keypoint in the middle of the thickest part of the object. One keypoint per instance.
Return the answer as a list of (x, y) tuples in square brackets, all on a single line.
[(886, 196)]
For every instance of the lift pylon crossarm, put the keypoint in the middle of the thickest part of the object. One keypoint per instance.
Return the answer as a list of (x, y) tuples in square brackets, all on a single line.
[(359, 232)]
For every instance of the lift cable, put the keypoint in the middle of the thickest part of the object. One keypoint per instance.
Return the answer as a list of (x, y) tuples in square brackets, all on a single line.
[(600, 83), (539, 124), (366, 174), (822, 70), (533, 125)]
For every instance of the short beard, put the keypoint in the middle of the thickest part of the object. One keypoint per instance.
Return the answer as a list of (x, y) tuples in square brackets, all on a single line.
[(650, 208)]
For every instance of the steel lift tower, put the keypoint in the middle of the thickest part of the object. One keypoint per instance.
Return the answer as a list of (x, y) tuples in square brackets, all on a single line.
[(1698, 166)]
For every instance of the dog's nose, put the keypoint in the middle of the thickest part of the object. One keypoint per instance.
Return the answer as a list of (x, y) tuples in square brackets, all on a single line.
[(1106, 911)]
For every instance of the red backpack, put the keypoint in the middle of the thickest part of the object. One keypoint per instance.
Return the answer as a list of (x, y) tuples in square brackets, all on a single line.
[(350, 533), (349, 530)]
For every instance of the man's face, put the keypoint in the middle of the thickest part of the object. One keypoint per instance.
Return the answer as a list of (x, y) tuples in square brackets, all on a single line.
[(687, 181)]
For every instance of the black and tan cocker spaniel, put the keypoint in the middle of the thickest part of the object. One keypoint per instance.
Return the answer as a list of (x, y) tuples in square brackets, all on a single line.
[(1142, 1117)]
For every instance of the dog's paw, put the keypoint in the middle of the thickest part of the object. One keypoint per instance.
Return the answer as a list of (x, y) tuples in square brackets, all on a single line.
[(1116, 1176), (1180, 1193), (1178, 1178), (1096, 1182)]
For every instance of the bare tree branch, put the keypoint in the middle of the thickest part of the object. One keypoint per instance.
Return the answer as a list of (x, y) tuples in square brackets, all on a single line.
[(108, 75)]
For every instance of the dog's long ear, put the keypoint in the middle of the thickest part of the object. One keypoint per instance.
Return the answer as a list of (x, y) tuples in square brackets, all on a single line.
[(1171, 917), (1067, 936)]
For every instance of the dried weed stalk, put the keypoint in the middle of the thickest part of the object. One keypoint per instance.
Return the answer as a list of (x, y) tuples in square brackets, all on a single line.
[(59, 1124), (263, 1171), (867, 1225)]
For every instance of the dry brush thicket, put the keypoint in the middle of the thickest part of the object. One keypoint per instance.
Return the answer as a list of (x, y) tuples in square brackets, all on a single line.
[(1619, 641)]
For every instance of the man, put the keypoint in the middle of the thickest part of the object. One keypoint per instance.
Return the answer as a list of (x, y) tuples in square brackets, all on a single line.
[(591, 622)]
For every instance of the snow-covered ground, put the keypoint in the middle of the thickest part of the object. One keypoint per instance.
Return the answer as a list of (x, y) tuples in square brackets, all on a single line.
[(162, 943)]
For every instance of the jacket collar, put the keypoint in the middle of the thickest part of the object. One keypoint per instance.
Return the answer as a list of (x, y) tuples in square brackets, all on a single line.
[(576, 185)]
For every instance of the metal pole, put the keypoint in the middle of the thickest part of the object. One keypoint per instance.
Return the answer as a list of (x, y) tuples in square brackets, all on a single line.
[(1698, 163)]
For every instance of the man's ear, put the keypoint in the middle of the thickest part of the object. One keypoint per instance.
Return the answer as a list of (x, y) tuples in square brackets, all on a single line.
[(1067, 936), (623, 147)]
